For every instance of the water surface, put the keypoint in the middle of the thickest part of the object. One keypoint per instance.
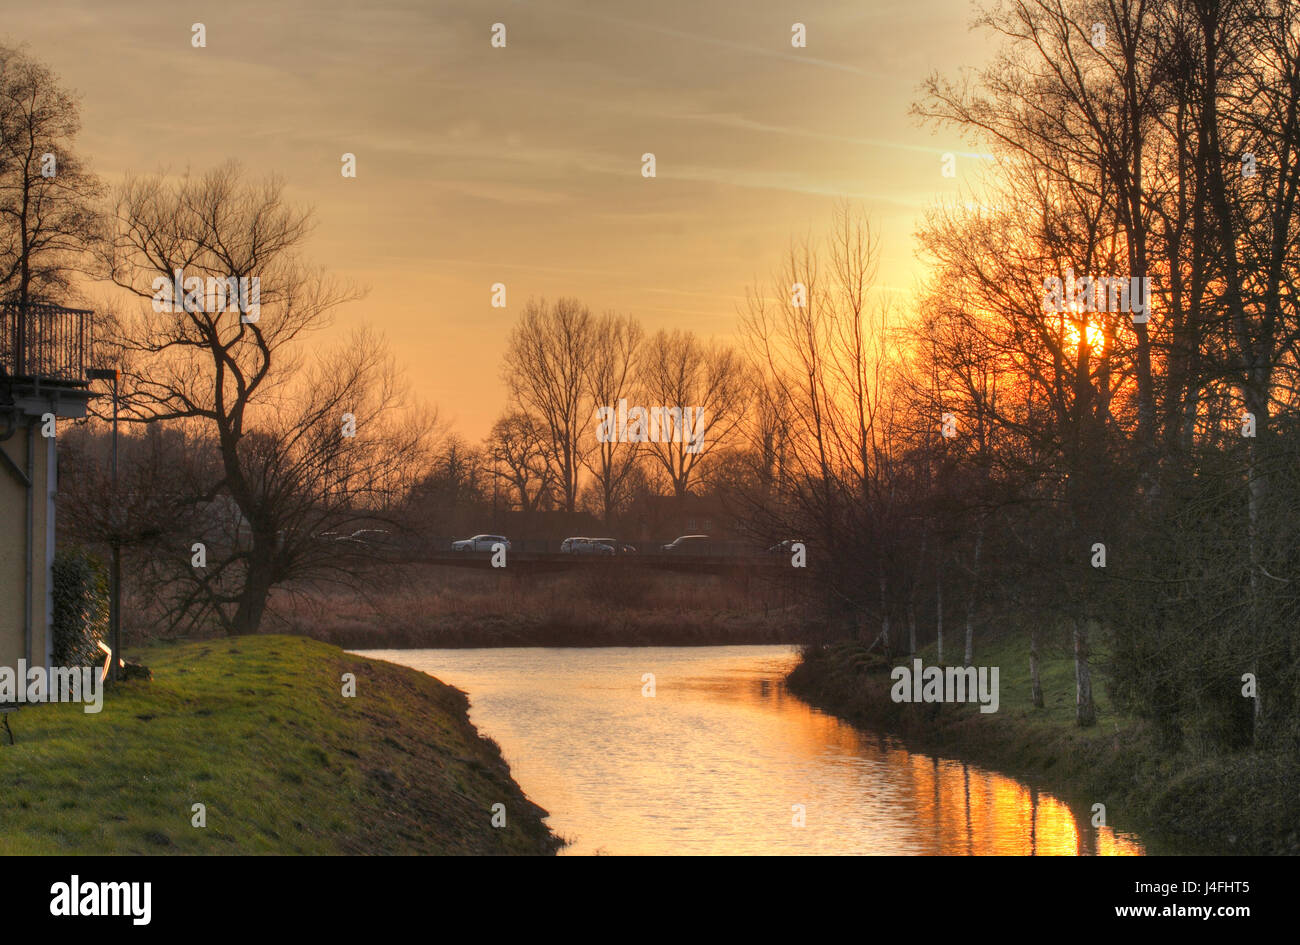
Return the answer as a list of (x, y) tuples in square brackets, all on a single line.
[(721, 759)]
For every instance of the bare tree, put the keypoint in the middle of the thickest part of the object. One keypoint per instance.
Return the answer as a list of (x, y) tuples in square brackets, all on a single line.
[(611, 377), (296, 445), (47, 196), (821, 337), (545, 368), (681, 373), (517, 445), (1166, 150)]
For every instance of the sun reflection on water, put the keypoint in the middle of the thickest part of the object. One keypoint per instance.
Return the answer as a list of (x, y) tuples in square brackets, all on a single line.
[(719, 760)]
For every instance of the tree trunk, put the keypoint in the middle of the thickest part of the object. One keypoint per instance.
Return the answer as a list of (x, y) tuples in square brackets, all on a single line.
[(1035, 685), (1257, 490), (969, 655), (884, 615), (912, 590), (938, 613), (256, 590), (1085, 713)]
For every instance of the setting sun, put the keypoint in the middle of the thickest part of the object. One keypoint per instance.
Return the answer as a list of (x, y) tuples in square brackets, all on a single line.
[(1097, 340)]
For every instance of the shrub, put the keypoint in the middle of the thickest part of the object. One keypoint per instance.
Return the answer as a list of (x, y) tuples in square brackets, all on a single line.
[(80, 608)]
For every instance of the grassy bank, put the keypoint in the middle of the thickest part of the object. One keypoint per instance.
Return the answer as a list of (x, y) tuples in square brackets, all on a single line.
[(420, 605), (257, 729), (1202, 800)]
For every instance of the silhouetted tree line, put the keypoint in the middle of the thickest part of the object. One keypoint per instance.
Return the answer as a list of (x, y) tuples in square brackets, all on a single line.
[(1123, 486)]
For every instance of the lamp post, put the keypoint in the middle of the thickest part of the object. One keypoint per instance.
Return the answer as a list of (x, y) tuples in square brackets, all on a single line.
[(115, 572)]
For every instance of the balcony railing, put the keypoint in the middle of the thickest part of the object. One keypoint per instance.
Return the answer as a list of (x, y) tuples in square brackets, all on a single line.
[(44, 342)]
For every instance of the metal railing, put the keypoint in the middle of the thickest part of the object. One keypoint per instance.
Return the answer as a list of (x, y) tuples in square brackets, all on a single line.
[(44, 342)]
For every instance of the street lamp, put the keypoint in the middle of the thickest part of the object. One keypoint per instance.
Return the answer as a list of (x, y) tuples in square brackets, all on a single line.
[(115, 573)]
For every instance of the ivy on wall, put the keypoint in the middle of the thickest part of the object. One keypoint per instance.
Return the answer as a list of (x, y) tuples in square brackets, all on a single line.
[(80, 607)]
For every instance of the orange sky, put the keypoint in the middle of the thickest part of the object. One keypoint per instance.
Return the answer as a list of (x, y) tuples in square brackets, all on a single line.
[(522, 165)]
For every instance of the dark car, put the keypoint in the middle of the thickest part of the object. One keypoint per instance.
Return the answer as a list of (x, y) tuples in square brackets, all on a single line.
[(689, 545), (481, 543)]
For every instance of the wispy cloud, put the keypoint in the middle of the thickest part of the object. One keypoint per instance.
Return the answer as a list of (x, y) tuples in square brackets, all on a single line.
[(718, 42)]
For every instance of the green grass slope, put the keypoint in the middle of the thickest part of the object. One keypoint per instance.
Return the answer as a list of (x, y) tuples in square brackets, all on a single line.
[(257, 730)]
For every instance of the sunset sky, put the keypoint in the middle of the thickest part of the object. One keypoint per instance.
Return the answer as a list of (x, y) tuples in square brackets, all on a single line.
[(522, 165)]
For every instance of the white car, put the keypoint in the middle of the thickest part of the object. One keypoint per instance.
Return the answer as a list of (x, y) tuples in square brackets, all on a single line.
[(480, 543), (585, 546)]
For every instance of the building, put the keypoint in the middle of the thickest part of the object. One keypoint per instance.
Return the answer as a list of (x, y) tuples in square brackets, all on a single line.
[(43, 351), (664, 517)]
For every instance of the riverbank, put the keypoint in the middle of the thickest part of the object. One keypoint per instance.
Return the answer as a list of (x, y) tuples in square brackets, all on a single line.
[(1240, 803), (406, 606), (257, 730)]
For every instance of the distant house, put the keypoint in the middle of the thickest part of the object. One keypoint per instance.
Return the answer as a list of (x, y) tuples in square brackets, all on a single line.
[(43, 351), (666, 517)]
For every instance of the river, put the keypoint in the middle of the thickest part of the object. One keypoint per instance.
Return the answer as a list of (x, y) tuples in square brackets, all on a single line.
[(721, 759)]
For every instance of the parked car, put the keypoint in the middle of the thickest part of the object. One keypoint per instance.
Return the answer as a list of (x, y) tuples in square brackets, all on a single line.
[(367, 536), (480, 543), (689, 545), (587, 546), (616, 546)]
